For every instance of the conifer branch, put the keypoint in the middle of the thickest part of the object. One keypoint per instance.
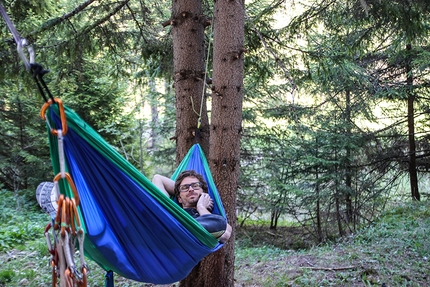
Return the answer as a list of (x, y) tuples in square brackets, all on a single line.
[(67, 16)]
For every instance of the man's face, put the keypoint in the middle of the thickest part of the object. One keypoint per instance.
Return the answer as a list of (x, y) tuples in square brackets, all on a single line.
[(189, 197)]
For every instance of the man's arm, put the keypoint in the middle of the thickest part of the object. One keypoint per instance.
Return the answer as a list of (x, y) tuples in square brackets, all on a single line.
[(226, 234), (204, 206), (165, 184)]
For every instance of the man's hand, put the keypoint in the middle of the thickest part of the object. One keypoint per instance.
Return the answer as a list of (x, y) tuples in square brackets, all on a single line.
[(205, 204)]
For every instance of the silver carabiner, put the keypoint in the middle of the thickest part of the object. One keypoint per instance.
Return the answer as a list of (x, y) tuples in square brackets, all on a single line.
[(21, 44)]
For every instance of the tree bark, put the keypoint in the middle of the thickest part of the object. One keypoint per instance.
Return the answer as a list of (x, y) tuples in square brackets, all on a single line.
[(226, 119), (189, 68), (216, 269)]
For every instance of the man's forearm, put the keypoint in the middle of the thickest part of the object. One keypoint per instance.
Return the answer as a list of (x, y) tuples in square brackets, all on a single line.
[(165, 184)]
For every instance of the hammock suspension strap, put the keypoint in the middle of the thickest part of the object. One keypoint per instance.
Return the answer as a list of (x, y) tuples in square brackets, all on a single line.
[(36, 69)]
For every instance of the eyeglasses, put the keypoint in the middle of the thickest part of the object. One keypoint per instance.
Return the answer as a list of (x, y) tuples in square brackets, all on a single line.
[(186, 187)]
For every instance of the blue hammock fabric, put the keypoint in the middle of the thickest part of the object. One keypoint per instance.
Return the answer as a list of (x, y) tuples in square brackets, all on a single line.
[(131, 228)]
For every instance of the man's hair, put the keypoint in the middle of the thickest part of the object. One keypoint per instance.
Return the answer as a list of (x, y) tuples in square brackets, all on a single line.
[(188, 173)]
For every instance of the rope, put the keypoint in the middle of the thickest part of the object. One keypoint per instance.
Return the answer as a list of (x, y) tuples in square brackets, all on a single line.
[(199, 120)]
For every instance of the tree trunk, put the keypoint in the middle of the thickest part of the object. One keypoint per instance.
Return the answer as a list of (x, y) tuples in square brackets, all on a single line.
[(189, 52), (154, 113), (226, 127), (348, 177), (216, 269), (411, 130), (318, 207)]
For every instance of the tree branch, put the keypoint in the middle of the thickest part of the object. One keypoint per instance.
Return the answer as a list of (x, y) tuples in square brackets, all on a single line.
[(330, 269), (67, 16)]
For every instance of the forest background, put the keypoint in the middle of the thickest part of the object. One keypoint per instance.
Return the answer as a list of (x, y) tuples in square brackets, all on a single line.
[(335, 108)]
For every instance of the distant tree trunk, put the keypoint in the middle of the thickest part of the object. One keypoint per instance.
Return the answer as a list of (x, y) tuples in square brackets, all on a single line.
[(318, 196), (411, 129), (274, 217), (348, 178), (189, 68), (22, 176), (154, 113), (318, 211), (338, 196), (338, 215)]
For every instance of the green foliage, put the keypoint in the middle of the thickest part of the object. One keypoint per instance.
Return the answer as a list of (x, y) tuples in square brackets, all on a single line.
[(24, 157), (97, 66), (338, 143), (406, 227), (6, 276), (21, 220)]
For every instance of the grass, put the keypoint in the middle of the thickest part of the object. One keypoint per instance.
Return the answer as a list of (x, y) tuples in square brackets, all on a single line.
[(393, 251)]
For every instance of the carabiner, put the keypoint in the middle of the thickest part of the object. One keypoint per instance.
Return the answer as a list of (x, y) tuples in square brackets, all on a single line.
[(71, 183), (62, 114)]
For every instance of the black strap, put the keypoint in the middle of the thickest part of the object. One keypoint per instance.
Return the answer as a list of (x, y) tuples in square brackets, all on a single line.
[(38, 73)]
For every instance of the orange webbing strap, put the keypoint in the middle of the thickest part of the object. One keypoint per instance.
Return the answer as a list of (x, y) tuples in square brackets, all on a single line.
[(74, 214), (62, 114)]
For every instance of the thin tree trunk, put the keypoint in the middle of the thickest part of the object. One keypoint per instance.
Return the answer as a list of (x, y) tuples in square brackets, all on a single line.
[(154, 113), (348, 178), (318, 211), (317, 190), (411, 130)]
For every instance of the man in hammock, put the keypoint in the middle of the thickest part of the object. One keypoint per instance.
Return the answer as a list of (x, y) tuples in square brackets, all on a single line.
[(191, 191)]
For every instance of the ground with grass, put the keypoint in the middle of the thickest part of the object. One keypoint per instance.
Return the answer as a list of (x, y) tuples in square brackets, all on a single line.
[(394, 251)]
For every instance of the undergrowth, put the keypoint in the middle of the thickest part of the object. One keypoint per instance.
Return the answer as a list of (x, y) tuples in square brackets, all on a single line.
[(393, 251)]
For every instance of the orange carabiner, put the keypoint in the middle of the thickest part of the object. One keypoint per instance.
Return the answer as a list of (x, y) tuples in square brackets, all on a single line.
[(59, 212), (62, 114), (83, 283), (72, 185), (64, 217), (76, 217)]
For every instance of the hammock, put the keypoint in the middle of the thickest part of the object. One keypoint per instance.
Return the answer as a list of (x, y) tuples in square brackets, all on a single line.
[(130, 227)]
